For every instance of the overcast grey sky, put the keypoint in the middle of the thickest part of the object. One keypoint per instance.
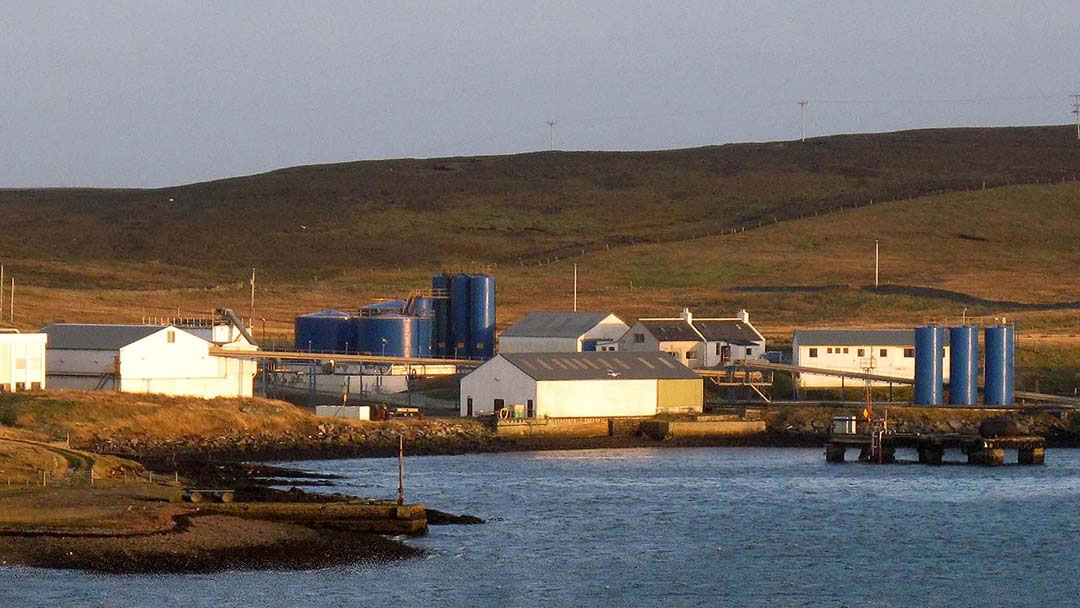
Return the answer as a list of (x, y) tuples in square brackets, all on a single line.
[(161, 93)]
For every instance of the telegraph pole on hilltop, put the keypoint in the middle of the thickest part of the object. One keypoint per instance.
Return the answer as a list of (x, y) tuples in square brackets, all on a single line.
[(252, 322), (876, 266), (551, 133), (802, 113), (1076, 110)]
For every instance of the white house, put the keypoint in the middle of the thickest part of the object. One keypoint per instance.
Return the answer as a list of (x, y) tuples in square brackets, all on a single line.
[(888, 352), (145, 359), (582, 384), (697, 342), (561, 332), (22, 361)]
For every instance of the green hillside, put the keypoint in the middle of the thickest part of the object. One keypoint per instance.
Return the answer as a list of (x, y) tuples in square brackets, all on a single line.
[(328, 220)]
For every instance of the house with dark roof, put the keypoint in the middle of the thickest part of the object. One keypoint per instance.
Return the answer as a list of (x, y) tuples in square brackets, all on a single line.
[(561, 332), (697, 342), (567, 385), (883, 352), (144, 359)]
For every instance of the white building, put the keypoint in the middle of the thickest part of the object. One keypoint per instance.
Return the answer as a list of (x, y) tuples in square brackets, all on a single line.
[(697, 342), (145, 359), (888, 352), (22, 361), (561, 332), (582, 384)]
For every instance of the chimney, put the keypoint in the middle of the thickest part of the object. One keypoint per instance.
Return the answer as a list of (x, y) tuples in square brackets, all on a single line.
[(743, 315), (686, 315)]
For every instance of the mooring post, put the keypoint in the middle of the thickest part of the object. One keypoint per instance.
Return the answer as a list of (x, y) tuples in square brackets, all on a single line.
[(401, 470)]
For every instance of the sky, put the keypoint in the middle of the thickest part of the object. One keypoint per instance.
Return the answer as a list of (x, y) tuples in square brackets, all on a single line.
[(151, 94)]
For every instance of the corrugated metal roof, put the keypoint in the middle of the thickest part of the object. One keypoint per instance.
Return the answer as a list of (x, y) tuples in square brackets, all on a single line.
[(857, 337), (671, 330), (732, 331), (555, 324), (77, 336), (600, 365)]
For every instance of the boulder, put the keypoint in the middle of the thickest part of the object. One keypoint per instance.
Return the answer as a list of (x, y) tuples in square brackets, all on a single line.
[(998, 426)]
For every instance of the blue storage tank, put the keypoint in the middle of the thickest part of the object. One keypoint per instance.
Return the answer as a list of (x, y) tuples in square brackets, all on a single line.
[(385, 307), (963, 365), (389, 335), (421, 306), (326, 331), (424, 336), (460, 288), (999, 366), (929, 364), (440, 287), (482, 316)]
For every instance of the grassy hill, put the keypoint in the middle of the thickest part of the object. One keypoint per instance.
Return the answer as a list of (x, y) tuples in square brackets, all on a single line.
[(328, 220)]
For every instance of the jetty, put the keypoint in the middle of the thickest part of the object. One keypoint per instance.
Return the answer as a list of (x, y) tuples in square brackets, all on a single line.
[(880, 447)]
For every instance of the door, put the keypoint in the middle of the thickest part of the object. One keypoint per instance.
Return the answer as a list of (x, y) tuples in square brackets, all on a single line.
[(529, 409), (468, 406), (499, 404), (725, 353)]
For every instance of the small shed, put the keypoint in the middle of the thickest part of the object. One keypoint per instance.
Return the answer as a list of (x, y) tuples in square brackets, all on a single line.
[(583, 384)]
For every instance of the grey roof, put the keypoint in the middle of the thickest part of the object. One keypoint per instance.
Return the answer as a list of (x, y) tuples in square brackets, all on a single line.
[(857, 337), (77, 336), (732, 331), (555, 324), (671, 330), (600, 365)]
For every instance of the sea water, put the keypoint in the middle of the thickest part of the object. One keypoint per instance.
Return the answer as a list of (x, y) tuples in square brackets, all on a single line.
[(668, 527)]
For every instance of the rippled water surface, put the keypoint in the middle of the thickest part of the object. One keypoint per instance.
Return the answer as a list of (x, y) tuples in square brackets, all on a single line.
[(671, 527)]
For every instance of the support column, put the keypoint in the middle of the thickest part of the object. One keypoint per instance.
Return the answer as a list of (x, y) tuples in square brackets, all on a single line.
[(931, 454), (1032, 456), (986, 456), (834, 452)]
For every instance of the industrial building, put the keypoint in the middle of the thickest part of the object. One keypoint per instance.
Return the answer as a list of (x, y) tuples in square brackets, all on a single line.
[(561, 332), (555, 385), (887, 352), (22, 361), (146, 359), (697, 342), (456, 318)]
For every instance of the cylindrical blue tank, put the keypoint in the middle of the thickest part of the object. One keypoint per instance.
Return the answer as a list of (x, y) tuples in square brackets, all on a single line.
[(1000, 343), (482, 316), (326, 331), (440, 287), (385, 307), (424, 340), (421, 306), (389, 335), (460, 311), (963, 365), (929, 351)]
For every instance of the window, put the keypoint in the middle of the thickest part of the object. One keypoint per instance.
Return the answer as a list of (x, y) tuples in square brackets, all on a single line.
[(884, 352), (718, 348), (749, 352), (674, 354), (845, 350), (909, 353), (862, 352), (813, 352), (691, 354), (35, 386), (829, 350), (639, 338), (170, 337)]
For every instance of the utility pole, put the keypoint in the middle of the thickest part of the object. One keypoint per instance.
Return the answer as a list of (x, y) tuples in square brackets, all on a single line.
[(252, 322), (551, 133), (575, 287), (1076, 110), (1, 292), (877, 258), (802, 113), (11, 313)]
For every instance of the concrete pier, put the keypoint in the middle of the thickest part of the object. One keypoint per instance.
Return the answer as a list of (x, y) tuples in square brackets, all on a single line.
[(986, 451)]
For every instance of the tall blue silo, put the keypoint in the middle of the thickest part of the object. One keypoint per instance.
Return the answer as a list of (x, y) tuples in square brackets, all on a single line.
[(440, 289), (326, 331), (482, 316), (390, 335), (999, 366), (963, 365), (929, 364), (460, 288)]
